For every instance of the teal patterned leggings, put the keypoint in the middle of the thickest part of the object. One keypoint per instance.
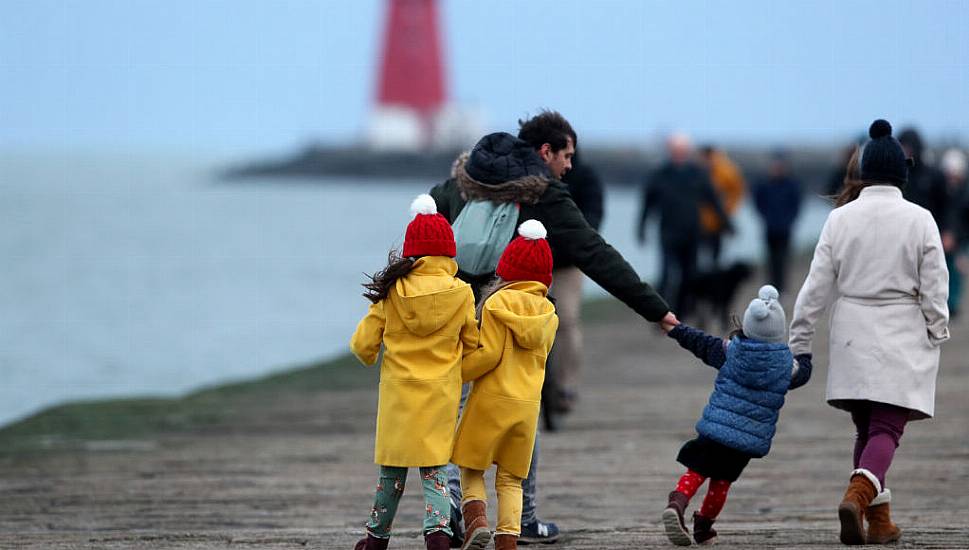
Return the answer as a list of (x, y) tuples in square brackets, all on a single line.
[(390, 487)]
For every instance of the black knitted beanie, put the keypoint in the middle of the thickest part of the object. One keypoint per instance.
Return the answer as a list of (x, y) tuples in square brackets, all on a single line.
[(883, 159)]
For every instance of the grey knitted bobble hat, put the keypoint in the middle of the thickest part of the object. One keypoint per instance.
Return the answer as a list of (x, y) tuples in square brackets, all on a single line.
[(764, 318)]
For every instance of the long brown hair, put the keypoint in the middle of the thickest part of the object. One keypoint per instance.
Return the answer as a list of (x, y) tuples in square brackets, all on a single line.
[(487, 290), (853, 184), (381, 281)]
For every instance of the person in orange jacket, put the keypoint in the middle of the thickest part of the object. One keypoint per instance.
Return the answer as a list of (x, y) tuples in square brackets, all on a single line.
[(729, 183), (518, 325), (424, 317)]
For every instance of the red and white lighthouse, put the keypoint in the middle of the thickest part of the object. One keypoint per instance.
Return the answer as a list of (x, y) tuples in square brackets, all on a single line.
[(412, 112)]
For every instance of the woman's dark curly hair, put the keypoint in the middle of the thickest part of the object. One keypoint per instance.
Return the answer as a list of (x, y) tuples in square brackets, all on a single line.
[(381, 281)]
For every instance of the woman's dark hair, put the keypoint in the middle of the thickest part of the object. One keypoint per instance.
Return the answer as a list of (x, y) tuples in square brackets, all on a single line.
[(380, 282), (547, 127), (738, 328), (853, 184)]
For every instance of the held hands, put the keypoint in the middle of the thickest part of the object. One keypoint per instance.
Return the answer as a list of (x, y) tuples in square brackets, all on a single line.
[(801, 372), (668, 322)]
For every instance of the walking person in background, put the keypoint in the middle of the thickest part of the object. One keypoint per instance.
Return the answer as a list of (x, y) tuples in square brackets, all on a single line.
[(755, 372), (677, 189), (526, 171), (954, 238), (565, 361), (926, 185), (881, 258), (423, 317), (730, 186), (500, 420), (778, 201)]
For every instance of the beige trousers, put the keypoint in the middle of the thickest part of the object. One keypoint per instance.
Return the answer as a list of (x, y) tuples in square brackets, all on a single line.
[(567, 291)]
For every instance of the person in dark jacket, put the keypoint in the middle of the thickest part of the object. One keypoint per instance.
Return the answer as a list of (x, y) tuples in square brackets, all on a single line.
[(565, 362), (677, 189), (503, 168), (778, 201), (955, 167), (756, 370), (926, 185)]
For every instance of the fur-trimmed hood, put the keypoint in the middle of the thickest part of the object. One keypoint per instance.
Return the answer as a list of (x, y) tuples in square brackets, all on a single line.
[(513, 171)]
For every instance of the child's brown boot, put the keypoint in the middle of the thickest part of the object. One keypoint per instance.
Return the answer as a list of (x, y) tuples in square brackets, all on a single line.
[(506, 542), (861, 491), (476, 532), (438, 540), (703, 531), (673, 521), (371, 543), (881, 529)]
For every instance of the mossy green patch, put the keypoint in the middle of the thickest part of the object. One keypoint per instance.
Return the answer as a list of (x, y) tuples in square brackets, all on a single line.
[(68, 425)]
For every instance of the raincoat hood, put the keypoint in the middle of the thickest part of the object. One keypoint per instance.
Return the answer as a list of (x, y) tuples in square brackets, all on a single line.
[(522, 307), (424, 307)]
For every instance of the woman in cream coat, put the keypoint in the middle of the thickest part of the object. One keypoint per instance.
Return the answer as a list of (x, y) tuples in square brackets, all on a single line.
[(880, 257)]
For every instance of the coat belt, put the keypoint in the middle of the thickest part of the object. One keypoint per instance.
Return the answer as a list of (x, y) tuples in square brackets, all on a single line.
[(874, 302)]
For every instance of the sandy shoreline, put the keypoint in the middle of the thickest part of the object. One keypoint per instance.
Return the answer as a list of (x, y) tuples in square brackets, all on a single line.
[(289, 465)]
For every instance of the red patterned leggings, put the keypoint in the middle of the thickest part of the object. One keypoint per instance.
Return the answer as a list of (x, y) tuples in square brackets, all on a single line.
[(716, 493)]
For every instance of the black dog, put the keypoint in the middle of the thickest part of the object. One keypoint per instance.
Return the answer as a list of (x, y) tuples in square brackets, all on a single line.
[(714, 291)]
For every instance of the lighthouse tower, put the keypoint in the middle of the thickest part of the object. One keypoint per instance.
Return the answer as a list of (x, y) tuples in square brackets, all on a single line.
[(412, 113)]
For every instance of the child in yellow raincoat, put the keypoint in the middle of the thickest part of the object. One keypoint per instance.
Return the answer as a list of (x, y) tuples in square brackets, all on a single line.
[(518, 325), (425, 318)]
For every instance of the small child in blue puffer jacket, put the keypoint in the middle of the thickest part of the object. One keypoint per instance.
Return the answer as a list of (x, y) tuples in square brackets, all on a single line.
[(756, 370)]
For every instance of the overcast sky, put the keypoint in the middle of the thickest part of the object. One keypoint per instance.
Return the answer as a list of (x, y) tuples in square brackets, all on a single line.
[(265, 76)]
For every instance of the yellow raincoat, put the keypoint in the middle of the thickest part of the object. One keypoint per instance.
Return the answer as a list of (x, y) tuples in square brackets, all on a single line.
[(518, 326), (426, 324)]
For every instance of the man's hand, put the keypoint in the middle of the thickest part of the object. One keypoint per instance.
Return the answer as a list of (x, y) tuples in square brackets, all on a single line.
[(668, 322)]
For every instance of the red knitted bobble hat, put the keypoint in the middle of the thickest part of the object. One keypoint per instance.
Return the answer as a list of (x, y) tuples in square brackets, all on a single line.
[(428, 234), (528, 257)]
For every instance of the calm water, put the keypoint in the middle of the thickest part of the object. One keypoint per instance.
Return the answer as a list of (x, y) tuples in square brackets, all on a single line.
[(144, 276)]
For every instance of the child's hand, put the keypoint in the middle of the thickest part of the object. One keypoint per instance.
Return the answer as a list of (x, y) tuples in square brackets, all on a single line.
[(801, 373), (668, 322)]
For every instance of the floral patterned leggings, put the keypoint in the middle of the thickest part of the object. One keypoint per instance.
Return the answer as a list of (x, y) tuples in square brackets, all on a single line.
[(390, 488)]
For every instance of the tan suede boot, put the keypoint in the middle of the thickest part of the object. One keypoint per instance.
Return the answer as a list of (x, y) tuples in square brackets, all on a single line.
[(506, 542), (476, 532), (881, 529), (861, 491)]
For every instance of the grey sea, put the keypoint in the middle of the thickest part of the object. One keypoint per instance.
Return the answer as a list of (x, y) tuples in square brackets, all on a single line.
[(130, 275)]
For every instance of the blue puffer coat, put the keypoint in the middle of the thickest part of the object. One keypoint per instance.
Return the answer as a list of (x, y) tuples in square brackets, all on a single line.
[(748, 396)]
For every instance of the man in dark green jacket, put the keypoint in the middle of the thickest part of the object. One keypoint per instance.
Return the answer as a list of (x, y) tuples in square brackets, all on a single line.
[(503, 168)]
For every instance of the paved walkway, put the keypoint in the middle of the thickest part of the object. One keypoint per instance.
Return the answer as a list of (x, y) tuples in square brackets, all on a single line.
[(301, 475)]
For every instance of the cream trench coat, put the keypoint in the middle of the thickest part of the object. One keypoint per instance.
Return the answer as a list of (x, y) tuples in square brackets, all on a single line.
[(880, 258)]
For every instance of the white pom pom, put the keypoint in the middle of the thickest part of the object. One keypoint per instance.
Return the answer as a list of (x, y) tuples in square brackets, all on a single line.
[(423, 204), (767, 292), (759, 309), (532, 229)]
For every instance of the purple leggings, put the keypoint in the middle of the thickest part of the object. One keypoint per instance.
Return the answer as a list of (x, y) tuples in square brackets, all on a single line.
[(879, 427)]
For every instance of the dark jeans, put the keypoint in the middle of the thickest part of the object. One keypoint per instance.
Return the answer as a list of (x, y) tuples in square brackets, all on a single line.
[(879, 428), (679, 271), (778, 249)]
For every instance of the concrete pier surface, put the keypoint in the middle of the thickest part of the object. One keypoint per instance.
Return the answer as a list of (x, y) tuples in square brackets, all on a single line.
[(294, 468)]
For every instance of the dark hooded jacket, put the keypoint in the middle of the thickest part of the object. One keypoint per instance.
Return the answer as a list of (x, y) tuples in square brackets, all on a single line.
[(586, 190), (503, 168), (926, 185)]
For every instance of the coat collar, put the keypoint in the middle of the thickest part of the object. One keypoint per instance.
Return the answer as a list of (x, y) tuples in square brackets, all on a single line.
[(881, 190)]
